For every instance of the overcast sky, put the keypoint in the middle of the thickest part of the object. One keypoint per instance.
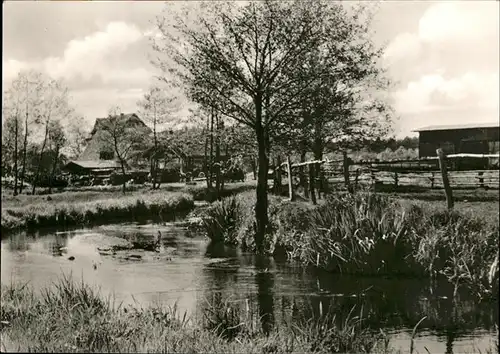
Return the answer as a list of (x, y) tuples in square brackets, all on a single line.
[(444, 56)]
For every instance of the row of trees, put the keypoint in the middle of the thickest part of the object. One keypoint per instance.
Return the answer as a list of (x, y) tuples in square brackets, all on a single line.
[(39, 124), (298, 75)]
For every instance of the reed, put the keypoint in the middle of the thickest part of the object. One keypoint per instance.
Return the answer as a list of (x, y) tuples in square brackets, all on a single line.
[(370, 234), (71, 316)]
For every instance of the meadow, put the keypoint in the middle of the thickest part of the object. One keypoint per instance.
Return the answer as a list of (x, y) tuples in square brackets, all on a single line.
[(87, 208), (94, 205)]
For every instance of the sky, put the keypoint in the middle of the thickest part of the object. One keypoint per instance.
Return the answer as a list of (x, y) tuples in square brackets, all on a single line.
[(442, 56)]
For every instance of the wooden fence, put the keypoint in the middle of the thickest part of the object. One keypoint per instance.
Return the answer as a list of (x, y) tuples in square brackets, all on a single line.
[(433, 172)]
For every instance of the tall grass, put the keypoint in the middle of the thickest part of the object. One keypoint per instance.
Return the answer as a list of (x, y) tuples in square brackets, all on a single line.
[(124, 207), (370, 234), (73, 317)]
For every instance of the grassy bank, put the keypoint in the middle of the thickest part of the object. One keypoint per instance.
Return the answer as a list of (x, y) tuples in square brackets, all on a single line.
[(370, 234), (83, 208), (198, 191), (69, 317)]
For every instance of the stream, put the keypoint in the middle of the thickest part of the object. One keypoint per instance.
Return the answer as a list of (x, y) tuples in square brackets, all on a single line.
[(192, 273)]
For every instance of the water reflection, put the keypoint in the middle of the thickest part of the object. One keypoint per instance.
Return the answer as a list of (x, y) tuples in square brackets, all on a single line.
[(264, 277), (201, 273)]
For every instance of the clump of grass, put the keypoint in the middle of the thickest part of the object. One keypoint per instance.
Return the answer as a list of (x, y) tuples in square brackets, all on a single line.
[(221, 220), (73, 317), (324, 333), (369, 234)]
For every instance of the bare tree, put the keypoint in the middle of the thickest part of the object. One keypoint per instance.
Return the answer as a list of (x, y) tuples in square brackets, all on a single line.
[(77, 131), (56, 141), (12, 129), (157, 108), (126, 136), (22, 98), (53, 105)]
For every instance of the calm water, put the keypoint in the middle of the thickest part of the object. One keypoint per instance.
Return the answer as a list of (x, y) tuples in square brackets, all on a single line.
[(191, 272)]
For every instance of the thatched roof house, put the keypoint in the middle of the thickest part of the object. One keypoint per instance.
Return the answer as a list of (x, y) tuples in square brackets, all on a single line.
[(97, 148), (99, 153)]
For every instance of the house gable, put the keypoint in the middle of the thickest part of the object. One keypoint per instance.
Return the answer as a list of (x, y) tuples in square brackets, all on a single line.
[(98, 149)]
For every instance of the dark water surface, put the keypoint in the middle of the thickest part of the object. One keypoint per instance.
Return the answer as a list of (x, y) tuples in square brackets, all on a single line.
[(190, 272)]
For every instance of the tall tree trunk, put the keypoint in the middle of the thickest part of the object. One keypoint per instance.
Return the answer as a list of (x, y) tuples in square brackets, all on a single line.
[(206, 154), (346, 171), (53, 172), (254, 168), (279, 176), (211, 161), (217, 159), (158, 169), (318, 155), (25, 146), (124, 185), (303, 177), (263, 159), (37, 174), (155, 153), (151, 169), (16, 133)]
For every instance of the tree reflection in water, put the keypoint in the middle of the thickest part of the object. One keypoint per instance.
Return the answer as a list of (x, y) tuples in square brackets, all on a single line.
[(264, 278)]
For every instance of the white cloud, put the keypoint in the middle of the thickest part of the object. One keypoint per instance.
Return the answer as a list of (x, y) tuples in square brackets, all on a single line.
[(405, 44), (12, 67), (448, 66), (459, 21), (88, 56), (98, 55), (433, 92)]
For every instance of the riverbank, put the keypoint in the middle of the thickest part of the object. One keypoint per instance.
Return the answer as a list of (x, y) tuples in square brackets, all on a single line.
[(73, 317), (371, 234), (85, 208), (98, 205), (198, 190)]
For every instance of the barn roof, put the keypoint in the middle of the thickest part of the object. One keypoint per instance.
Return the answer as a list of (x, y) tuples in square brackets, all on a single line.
[(458, 126), (129, 118), (94, 165)]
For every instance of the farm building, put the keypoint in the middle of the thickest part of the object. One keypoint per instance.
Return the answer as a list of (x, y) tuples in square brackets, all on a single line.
[(98, 149), (91, 167), (474, 138), (98, 159)]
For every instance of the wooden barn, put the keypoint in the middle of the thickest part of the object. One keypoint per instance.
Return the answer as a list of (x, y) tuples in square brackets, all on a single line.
[(474, 138)]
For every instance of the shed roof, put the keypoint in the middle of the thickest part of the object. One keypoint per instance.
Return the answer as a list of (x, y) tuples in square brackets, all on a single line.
[(94, 165), (458, 126)]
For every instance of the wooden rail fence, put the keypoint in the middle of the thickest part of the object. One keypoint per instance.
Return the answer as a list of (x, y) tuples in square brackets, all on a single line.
[(425, 172)]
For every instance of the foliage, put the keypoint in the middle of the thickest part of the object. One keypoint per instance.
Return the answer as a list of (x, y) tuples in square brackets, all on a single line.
[(255, 63)]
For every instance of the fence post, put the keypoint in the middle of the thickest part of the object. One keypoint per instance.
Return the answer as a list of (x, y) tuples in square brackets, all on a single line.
[(372, 175), (311, 184), (432, 180), (481, 179), (290, 180), (356, 180), (346, 170), (446, 182), (395, 179)]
